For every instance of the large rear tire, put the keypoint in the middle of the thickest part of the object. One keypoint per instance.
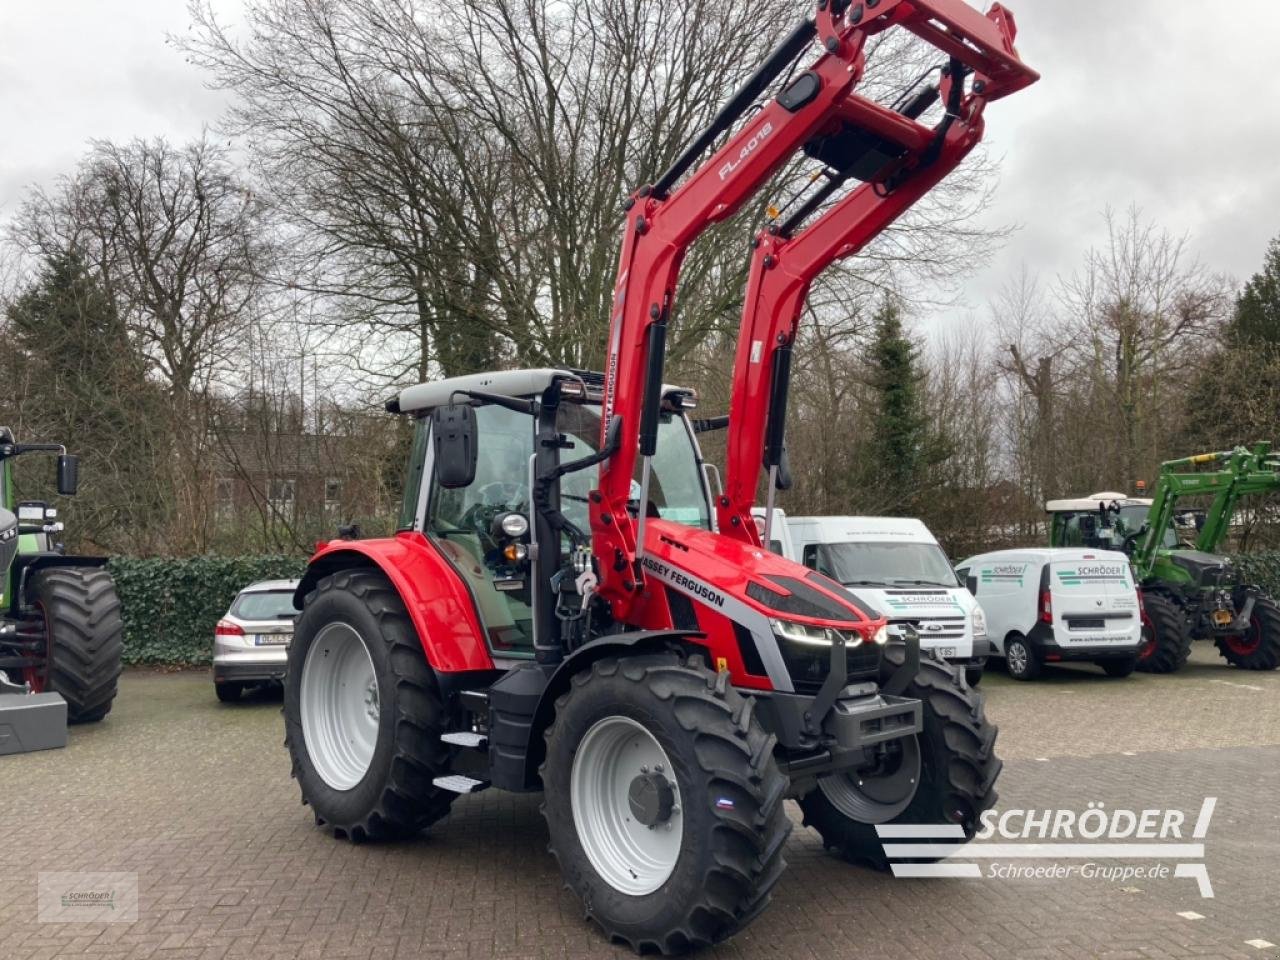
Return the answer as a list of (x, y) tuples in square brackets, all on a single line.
[(1259, 647), (664, 802), (85, 638), (1165, 643), (362, 712), (953, 761)]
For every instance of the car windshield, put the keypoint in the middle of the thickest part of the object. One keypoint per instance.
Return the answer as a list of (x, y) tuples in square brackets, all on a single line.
[(882, 564), (265, 605)]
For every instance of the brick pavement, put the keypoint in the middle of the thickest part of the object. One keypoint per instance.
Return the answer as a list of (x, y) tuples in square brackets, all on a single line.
[(196, 799)]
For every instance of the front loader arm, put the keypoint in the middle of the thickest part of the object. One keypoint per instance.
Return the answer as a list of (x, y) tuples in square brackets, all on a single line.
[(664, 219), (786, 259)]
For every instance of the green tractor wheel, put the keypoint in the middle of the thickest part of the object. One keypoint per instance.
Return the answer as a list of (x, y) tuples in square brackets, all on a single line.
[(1258, 648), (1165, 642), (84, 639)]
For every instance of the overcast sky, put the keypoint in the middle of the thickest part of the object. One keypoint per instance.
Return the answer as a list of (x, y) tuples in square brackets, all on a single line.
[(1172, 106)]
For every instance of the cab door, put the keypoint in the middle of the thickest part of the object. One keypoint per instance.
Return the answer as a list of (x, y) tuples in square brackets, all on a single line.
[(460, 523)]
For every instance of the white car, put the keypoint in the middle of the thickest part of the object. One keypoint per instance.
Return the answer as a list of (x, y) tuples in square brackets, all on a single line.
[(251, 642), (1051, 605), (892, 566)]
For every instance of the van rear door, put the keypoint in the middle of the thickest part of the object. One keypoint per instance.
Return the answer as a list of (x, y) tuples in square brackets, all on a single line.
[(1095, 602)]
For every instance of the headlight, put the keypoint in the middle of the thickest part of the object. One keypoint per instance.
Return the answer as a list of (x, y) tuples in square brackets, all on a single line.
[(515, 525), (979, 622), (881, 636), (813, 636)]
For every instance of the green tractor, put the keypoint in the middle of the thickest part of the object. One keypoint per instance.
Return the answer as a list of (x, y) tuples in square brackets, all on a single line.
[(60, 626), (1189, 590)]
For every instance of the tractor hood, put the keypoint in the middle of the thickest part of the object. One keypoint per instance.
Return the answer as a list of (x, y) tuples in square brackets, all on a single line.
[(1204, 569), (721, 568)]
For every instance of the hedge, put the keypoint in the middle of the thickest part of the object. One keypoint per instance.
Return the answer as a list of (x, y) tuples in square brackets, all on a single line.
[(170, 606)]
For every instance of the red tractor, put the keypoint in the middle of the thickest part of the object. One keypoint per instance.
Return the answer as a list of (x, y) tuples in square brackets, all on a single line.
[(567, 605)]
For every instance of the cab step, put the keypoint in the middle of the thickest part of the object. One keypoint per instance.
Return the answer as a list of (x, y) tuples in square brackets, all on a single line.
[(466, 738), (460, 783)]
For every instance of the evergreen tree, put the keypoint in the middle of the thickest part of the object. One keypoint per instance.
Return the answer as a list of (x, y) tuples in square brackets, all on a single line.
[(905, 447), (1257, 315)]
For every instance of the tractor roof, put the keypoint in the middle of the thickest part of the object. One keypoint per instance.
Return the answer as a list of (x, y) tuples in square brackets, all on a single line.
[(506, 383), (1092, 502)]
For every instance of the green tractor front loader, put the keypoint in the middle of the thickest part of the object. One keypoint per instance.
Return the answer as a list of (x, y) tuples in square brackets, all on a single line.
[(61, 635), (1189, 590)]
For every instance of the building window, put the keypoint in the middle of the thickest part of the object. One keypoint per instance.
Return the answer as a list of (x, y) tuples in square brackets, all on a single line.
[(332, 495), (280, 494)]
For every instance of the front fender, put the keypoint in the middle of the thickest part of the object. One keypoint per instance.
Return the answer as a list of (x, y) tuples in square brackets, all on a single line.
[(437, 601)]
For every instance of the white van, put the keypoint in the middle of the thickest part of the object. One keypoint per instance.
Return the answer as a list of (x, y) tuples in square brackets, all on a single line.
[(1048, 605), (894, 566)]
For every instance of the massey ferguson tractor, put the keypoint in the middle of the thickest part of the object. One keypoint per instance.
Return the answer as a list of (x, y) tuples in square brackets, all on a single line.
[(1190, 591), (569, 606), (60, 626)]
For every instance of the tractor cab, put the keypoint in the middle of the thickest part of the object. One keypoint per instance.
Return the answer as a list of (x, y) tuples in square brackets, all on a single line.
[(1103, 521), (508, 531)]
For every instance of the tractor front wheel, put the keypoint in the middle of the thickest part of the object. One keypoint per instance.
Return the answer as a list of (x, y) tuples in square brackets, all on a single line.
[(1165, 643), (946, 774), (85, 637), (1258, 648), (362, 713), (663, 801)]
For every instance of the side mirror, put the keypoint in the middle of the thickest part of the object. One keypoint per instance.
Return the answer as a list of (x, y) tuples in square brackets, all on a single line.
[(68, 474), (454, 433)]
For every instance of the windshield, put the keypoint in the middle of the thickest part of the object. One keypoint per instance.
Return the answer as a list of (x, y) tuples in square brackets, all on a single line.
[(269, 605), (675, 486), (1131, 519), (882, 564)]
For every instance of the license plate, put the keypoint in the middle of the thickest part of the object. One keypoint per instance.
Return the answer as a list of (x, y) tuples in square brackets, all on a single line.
[(946, 652), (271, 639)]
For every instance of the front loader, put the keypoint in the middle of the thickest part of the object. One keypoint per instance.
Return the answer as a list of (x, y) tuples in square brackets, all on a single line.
[(1189, 590), (567, 608), (60, 627)]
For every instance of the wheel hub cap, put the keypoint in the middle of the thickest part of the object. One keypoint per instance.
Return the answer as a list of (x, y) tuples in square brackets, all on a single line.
[(651, 798)]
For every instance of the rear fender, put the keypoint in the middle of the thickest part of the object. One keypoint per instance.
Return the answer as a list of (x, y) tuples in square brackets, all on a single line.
[(27, 564), (436, 599)]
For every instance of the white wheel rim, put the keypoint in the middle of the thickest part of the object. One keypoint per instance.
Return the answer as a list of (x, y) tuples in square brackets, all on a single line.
[(339, 706), (1017, 655), (876, 799), (633, 858)]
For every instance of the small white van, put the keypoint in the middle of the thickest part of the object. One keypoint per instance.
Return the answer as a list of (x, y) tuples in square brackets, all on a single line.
[(895, 567), (1048, 605)]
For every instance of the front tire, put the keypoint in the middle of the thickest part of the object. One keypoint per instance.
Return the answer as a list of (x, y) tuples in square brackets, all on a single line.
[(1259, 647), (973, 675), (664, 859), (1165, 642), (957, 770), (362, 712), (85, 638)]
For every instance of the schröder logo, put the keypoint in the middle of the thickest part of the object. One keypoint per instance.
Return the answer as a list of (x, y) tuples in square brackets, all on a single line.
[(1101, 570), (1159, 842)]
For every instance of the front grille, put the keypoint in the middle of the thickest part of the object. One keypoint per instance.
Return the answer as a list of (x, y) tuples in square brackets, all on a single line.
[(808, 665), (935, 628)]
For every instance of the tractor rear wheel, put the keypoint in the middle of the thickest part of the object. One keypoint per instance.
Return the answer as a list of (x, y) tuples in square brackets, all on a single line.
[(362, 713), (1258, 648), (85, 638), (944, 775), (1165, 643), (664, 802)]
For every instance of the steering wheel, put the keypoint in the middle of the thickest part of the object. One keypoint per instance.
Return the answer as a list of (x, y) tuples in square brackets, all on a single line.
[(501, 493)]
